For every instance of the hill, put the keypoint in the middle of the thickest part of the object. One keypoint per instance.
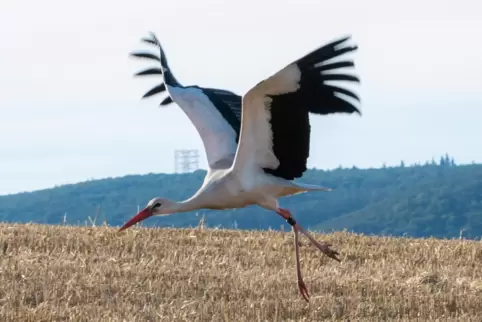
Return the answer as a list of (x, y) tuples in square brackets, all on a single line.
[(52, 273), (439, 200)]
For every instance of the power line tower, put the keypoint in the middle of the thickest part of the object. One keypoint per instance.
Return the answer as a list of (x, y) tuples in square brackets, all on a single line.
[(186, 160)]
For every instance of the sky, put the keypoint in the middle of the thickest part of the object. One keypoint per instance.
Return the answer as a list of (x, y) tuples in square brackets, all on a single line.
[(70, 108)]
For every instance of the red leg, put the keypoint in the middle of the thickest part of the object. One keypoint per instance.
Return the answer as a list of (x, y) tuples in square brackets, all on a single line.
[(301, 283), (324, 247)]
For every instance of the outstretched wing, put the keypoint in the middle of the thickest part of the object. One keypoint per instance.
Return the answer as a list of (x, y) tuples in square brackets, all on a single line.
[(215, 113), (275, 128)]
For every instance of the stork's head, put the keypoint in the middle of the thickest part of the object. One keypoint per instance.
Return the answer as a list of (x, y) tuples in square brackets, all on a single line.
[(155, 207)]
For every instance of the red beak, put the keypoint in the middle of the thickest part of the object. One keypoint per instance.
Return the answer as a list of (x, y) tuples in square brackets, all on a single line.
[(143, 214)]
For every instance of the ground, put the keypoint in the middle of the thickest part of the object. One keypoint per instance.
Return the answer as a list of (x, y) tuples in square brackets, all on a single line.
[(95, 273)]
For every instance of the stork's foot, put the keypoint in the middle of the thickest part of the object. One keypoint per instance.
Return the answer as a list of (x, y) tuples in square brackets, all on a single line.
[(325, 248), (303, 290)]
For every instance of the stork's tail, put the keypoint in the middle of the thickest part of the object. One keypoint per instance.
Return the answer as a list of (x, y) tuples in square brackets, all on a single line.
[(296, 188), (164, 69), (311, 187)]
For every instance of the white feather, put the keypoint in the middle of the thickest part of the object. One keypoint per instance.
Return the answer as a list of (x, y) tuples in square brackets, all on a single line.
[(218, 137), (255, 148)]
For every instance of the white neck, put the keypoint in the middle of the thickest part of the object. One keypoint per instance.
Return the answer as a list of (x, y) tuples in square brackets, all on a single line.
[(192, 203)]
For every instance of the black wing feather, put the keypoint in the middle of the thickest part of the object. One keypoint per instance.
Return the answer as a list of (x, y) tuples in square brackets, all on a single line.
[(152, 71), (340, 77), (336, 89), (146, 56), (290, 122), (150, 41), (158, 89), (166, 101), (149, 71)]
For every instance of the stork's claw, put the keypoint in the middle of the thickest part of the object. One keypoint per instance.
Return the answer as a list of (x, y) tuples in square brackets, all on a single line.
[(325, 248), (303, 290)]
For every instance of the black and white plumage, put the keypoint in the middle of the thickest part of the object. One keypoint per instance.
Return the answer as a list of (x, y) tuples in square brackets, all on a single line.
[(274, 138), (215, 113), (281, 105)]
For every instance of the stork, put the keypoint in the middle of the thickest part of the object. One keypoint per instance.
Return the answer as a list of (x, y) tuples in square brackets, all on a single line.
[(258, 162)]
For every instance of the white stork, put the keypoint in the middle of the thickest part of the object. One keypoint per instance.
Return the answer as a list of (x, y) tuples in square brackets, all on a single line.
[(274, 136)]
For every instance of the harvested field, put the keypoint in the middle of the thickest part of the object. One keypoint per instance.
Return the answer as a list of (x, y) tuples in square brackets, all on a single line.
[(54, 273)]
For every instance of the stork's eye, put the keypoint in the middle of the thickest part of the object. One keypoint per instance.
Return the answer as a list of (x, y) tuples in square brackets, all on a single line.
[(157, 204)]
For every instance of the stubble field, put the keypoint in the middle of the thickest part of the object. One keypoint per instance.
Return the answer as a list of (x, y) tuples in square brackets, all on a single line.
[(59, 273)]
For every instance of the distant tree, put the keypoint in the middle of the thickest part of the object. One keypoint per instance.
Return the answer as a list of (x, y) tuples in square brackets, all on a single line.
[(413, 200), (447, 161), (442, 161), (452, 162)]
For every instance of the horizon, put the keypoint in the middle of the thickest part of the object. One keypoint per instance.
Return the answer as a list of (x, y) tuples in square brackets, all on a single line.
[(381, 167), (71, 110)]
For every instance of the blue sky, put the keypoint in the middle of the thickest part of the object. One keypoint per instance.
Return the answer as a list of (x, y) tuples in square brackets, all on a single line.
[(70, 109)]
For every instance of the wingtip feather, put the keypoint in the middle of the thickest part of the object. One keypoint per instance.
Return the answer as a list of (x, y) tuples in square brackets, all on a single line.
[(168, 100), (146, 55), (149, 71), (152, 40), (157, 89)]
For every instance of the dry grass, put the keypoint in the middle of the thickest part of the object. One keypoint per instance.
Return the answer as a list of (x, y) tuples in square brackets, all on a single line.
[(90, 274)]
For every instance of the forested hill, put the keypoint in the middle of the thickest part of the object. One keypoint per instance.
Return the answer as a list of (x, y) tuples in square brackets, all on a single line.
[(435, 199)]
